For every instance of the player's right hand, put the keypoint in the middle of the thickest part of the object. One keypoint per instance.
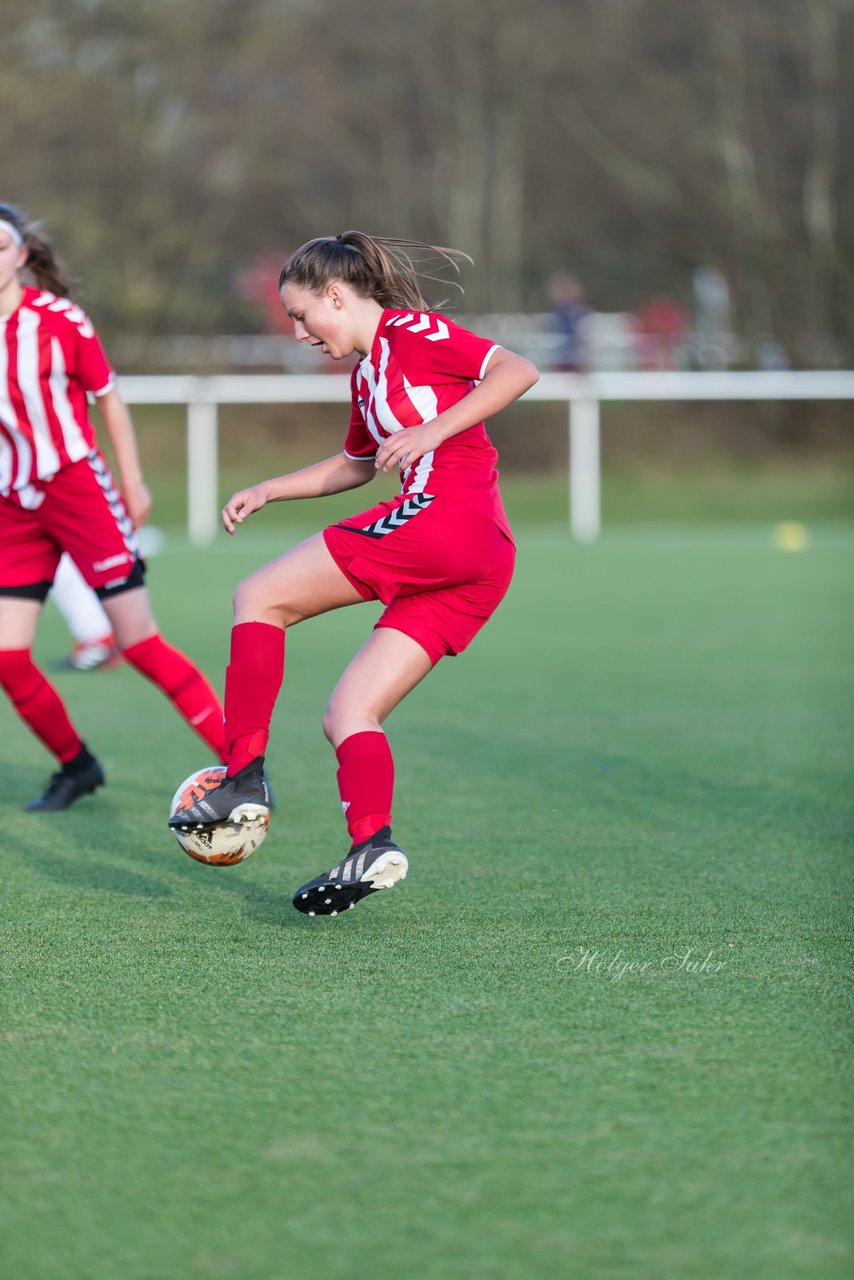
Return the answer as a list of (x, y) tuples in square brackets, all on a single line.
[(243, 504), (137, 502)]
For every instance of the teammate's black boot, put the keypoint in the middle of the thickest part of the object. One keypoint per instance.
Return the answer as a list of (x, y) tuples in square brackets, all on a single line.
[(79, 777), (237, 799), (372, 865)]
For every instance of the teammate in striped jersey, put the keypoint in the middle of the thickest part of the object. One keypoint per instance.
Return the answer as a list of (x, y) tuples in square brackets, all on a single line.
[(439, 556), (57, 495)]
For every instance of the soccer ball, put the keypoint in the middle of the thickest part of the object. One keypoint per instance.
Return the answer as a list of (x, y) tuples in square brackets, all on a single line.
[(224, 844)]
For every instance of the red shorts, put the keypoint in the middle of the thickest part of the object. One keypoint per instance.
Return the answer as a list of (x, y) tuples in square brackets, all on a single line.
[(441, 569), (79, 511)]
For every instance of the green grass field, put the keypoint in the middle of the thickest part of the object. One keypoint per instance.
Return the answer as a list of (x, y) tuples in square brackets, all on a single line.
[(644, 760)]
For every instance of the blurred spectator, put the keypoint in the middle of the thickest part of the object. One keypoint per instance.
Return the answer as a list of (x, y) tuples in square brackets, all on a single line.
[(569, 310), (662, 331), (712, 320)]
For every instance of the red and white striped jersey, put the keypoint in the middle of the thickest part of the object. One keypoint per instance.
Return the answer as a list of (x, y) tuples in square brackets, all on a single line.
[(421, 364), (50, 357)]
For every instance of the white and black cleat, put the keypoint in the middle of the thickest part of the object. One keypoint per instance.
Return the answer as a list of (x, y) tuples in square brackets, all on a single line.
[(370, 866), (241, 798)]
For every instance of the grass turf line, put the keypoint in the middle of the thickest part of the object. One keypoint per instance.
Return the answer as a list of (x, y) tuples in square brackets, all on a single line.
[(643, 754)]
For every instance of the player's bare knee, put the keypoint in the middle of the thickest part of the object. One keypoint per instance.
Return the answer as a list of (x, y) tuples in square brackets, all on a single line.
[(244, 596), (336, 717), (330, 722), (131, 617), (342, 718), (252, 603)]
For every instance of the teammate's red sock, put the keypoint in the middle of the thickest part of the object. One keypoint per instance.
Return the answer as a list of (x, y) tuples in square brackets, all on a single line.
[(184, 686), (366, 783), (252, 683), (38, 703)]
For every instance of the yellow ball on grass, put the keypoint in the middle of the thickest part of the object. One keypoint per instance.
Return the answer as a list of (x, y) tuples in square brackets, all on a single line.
[(790, 535)]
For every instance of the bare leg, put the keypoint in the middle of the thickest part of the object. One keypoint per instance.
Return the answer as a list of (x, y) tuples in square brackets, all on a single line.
[(388, 665), (18, 622), (131, 616), (300, 584)]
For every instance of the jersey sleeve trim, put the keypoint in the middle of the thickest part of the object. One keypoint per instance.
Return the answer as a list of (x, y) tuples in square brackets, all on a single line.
[(360, 457), (486, 359), (108, 386)]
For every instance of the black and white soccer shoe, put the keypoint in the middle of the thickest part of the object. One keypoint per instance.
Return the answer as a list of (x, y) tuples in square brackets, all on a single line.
[(370, 866), (240, 798), (80, 777)]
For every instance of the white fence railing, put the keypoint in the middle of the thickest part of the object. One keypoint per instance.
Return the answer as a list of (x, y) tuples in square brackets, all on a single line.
[(583, 396)]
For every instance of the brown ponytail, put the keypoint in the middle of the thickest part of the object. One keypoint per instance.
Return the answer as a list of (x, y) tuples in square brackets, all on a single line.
[(378, 267), (47, 272), (41, 262)]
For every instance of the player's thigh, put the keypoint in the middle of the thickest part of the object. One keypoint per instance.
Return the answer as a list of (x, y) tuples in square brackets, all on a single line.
[(130, 615), (299, 584), (387, 667), (18, 622)]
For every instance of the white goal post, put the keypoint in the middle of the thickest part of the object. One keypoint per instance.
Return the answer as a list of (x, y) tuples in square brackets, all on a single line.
[(583, 395)]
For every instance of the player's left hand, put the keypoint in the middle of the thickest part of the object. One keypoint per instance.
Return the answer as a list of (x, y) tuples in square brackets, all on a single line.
[(137, 502), (405, 447)]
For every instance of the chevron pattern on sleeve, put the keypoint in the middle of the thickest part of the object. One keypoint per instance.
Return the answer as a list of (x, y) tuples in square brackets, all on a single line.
[(399, 517), (433, 327)]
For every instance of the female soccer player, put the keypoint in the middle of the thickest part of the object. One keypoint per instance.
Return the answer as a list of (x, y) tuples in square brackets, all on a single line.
[(56, 495), (439, 556)]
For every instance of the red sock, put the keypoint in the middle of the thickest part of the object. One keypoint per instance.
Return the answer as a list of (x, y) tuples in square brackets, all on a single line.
[(184, 686), (366, 783), (252, 683), (38, 704)]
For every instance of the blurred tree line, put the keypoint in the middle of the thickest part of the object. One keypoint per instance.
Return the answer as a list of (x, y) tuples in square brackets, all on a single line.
[(168, 144)]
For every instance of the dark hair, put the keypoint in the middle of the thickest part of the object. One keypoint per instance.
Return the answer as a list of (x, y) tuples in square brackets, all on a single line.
[(378, 267), (41, 262)]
